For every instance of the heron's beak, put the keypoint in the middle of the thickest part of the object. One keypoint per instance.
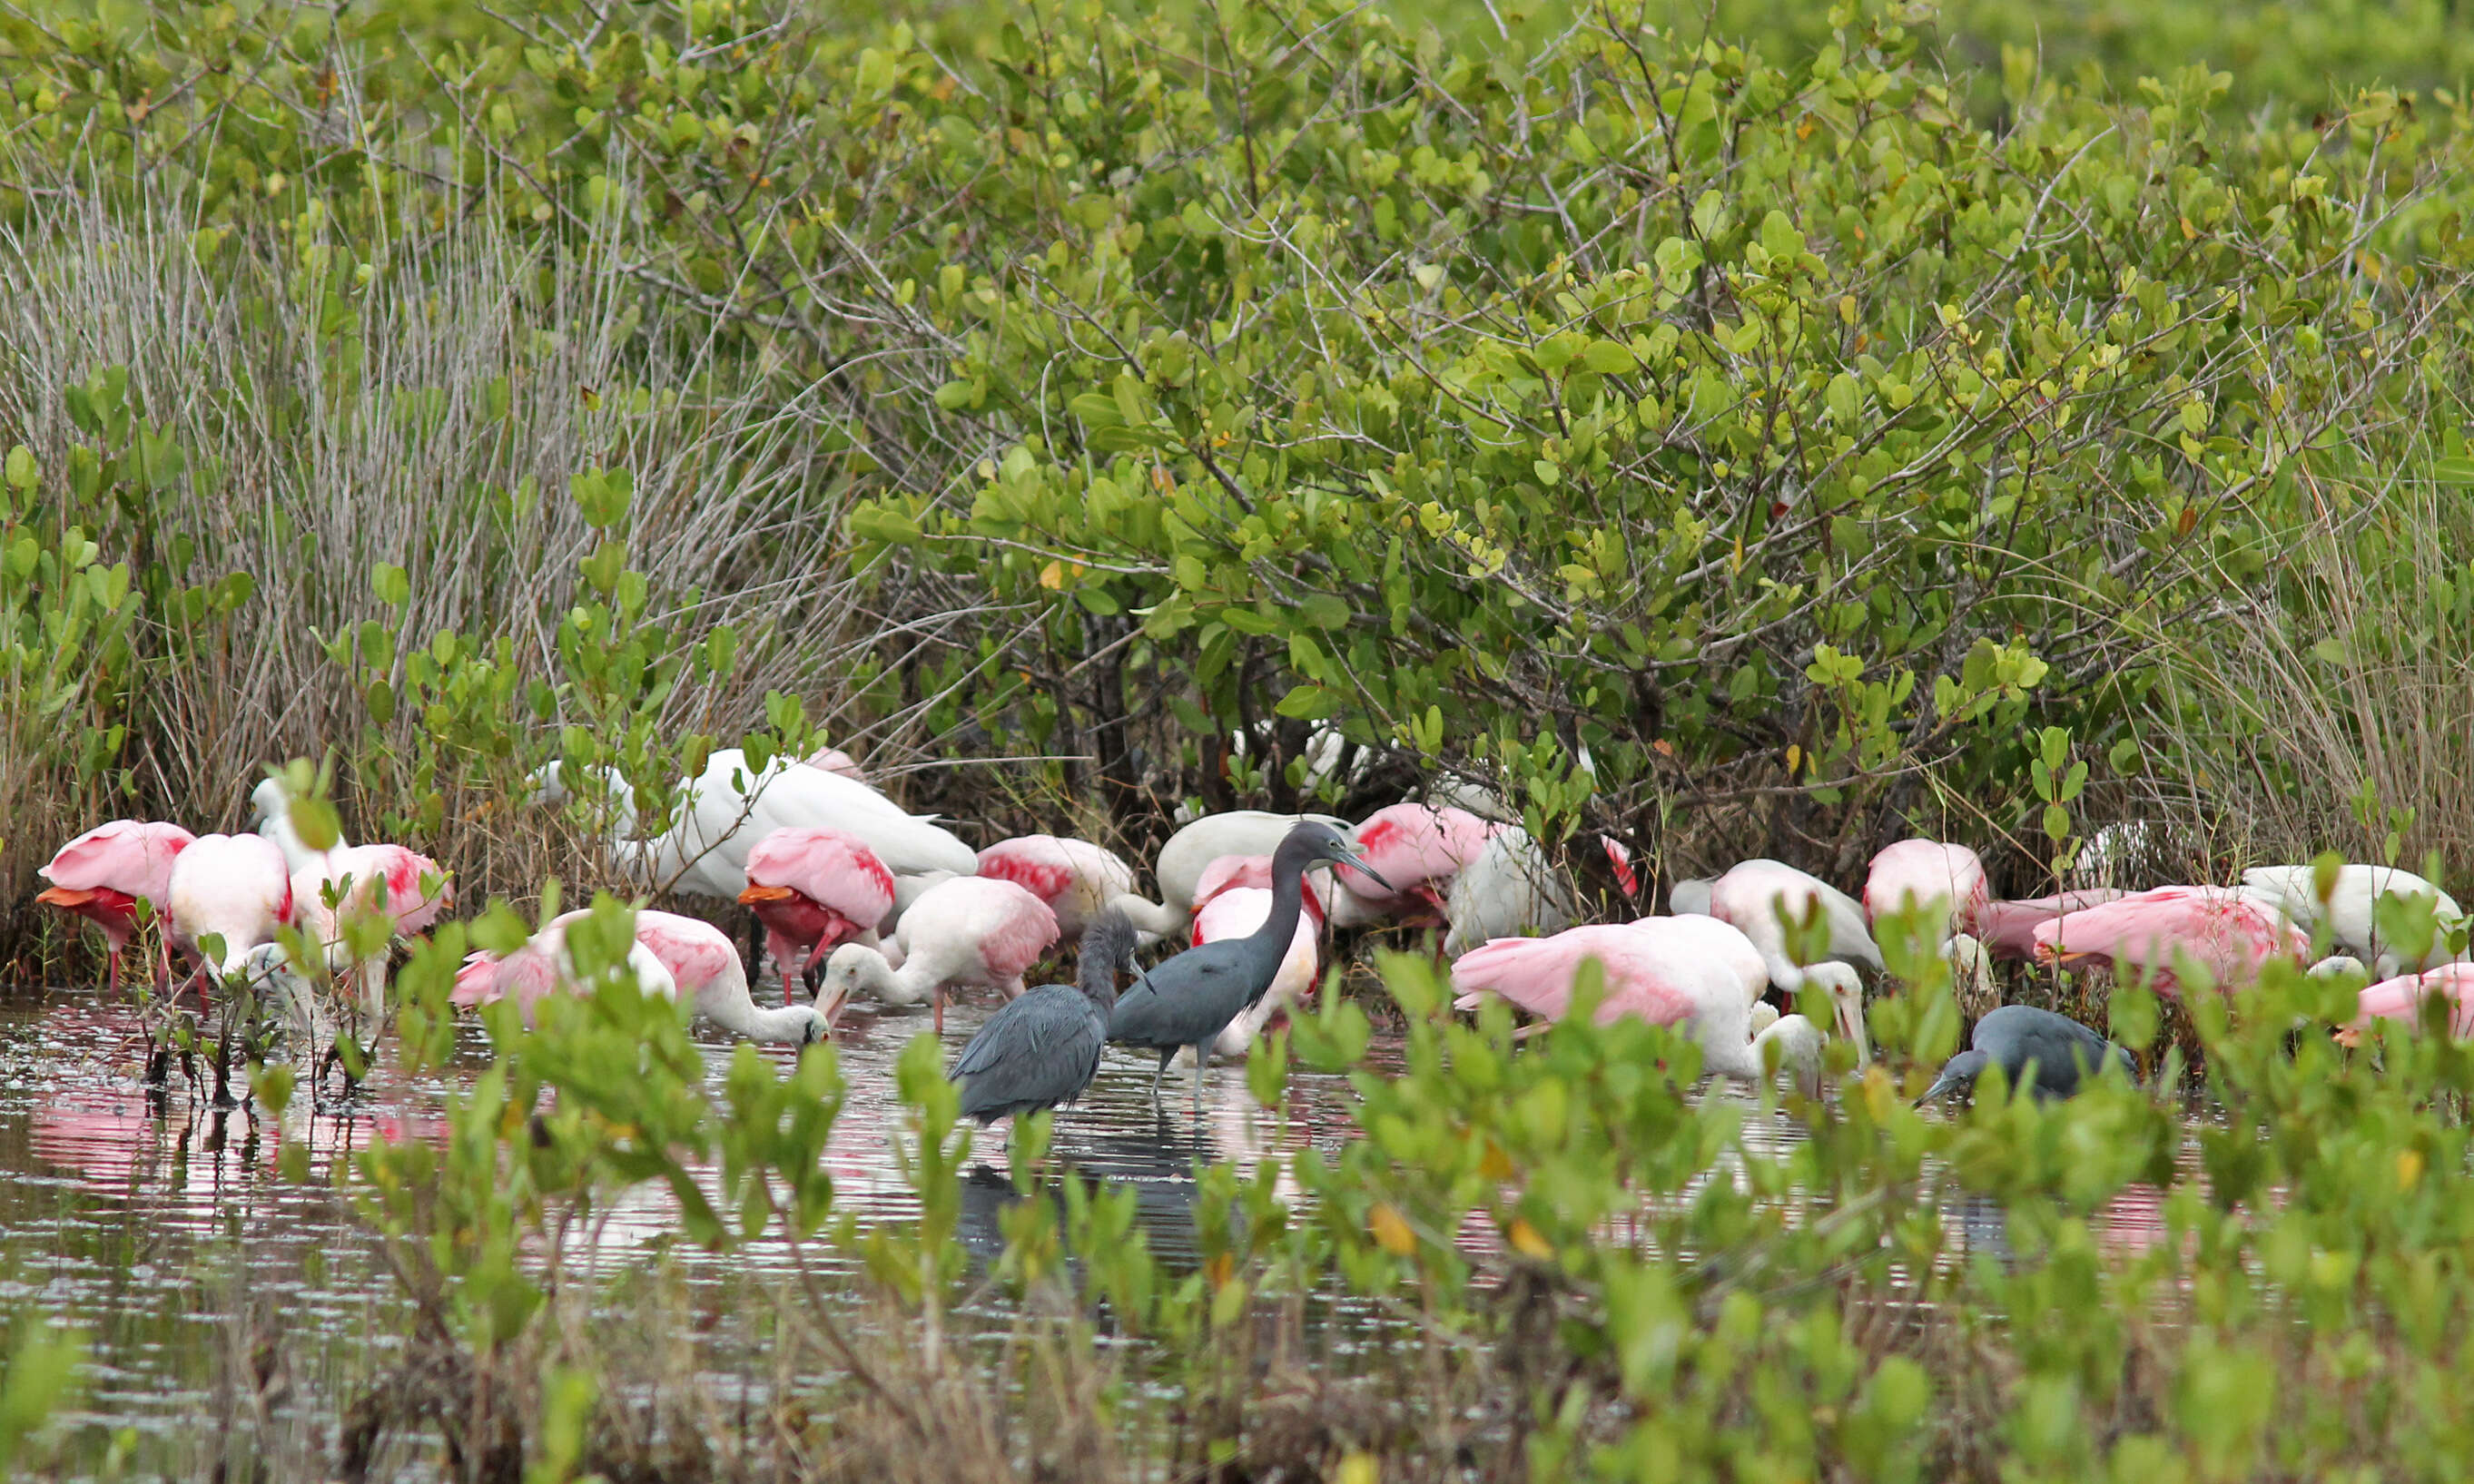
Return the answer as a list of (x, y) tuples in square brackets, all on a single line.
[(1355, 860), (1941, 1084)]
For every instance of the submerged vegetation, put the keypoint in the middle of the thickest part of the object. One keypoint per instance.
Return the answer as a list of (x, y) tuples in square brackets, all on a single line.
[(1731, 435)]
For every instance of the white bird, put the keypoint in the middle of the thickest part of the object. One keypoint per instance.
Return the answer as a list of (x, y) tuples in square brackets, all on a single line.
[(1191, 851), (402, 886), (723, 811), (272, 804), (967, 931), (1510, 888), (232, 887), (2351, 909), (1749, 898)]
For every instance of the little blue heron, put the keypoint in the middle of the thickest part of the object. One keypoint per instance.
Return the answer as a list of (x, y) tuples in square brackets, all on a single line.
[(1190, 999), (2064, 1053), (1043, 1049)]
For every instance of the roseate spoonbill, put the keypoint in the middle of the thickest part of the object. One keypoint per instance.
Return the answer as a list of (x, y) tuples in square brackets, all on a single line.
[(1044, 1048), (2065, 1055), (1190, 999), (1230, 873), (542, 967), (1619, 860), (832, 759), (1075, 878), (1420, 847), (1693, 972), (1750, 897), (1945, 884), (723, 811), (103, 874), (233, 887), (965, 931), (1237, 913), (697, 958), (404, 887), (2010, 927), (271, 803), (2400, 998), (1509, 888), (1191, 851), (2229, 934), (2350, 910), (815, 889)]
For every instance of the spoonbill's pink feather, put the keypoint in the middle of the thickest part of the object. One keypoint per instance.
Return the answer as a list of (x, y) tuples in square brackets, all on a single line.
[(2139, 934)]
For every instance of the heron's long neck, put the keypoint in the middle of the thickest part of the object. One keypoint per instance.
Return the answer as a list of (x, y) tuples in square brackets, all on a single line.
[(1288, 898)]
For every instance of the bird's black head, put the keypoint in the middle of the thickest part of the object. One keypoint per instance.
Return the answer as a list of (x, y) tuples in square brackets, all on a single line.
[(1958, 1075), (1313, 842)]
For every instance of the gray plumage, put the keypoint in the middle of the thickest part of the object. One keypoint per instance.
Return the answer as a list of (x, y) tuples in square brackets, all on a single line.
[(1043, 1049), (1190, 999), (2065, 1054)]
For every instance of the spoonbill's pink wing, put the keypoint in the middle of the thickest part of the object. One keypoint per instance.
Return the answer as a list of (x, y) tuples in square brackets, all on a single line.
[(833, 868)]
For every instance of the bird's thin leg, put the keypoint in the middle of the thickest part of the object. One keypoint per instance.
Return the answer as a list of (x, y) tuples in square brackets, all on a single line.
[(1201, 1059), (1161, 1075), (754, 945), (111, 973), (938, 995)]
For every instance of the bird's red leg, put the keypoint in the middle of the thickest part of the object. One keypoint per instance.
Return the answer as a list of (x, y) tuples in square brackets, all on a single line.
[(111, 973), (939, 997)]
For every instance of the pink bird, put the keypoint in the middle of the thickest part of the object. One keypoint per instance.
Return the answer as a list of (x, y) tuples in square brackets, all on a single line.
[(402, 886), (815, 889), (1231, 872), (2401, 999), (1075, 878), (832, 759), (1946, 881), (1693, 972), (1234, 912), (103, 874), (234, 887), (699, 959), (2008, 928), (1418, 849), (970, 931), (2218, 927)]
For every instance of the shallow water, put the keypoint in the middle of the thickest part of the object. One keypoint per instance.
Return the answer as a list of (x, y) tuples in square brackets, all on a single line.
[(192, 1263)]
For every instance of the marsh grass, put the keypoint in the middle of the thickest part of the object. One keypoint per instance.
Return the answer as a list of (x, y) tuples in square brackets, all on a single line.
[(301, 413)]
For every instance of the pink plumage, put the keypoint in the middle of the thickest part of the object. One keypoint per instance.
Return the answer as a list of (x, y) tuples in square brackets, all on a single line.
[(1919, 873), (1231, 872), (2401, 999), (406, 885), (815, 889), (102, 875), (1418, 849), (1660, 970), (832, 759), (1075, 878), (696, 953), (1619, 856), (2008, 928), (2139, 934), (1016, 927)]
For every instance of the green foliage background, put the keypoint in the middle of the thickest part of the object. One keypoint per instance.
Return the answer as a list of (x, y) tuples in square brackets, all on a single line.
[(1733, 433)]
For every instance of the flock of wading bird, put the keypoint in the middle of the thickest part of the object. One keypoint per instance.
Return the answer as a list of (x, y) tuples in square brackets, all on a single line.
[(854, 896)]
